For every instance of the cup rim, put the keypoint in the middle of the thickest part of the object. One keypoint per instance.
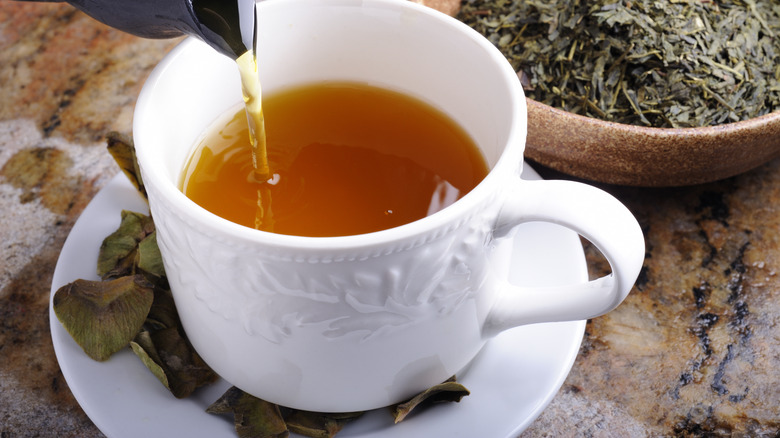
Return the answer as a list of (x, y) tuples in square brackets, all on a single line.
[(510, 160)]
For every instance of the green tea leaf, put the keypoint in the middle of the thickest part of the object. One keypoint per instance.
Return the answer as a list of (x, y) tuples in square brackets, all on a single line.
[(143, 347), (149, 257), (449, 391), (315, 424), (172, 359), (253, 417), (117, 255), (103, 316), (163, 313), (644, 62), (121, 147)]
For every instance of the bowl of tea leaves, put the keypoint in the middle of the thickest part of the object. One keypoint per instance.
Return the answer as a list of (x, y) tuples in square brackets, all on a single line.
[(643, 92)]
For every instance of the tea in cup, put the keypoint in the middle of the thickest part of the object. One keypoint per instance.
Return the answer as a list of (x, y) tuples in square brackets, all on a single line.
[(362, 319), (347, 159)]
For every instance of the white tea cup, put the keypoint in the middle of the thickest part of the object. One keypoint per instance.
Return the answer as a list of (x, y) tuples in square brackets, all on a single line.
[(340, 324)]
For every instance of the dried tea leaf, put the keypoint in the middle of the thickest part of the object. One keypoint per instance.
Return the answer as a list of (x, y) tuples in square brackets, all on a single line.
[(149, 259), (643, 62), (121, 147), (185, 368), (143, 347), (103, 316), (316, 424), (163, 313), (253, 417), (172, 359), (449, 391), (117, 256)]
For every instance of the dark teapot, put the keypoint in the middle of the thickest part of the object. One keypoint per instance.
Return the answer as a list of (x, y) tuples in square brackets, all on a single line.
[(226, 25)]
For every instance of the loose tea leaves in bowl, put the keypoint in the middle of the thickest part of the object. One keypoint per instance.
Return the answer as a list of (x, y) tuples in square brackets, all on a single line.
[(658, 63)]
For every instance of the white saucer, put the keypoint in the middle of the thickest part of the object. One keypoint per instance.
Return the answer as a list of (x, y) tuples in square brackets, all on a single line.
[(512, 380)]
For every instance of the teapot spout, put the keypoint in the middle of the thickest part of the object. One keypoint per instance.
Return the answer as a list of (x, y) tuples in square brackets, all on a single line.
[(228, 26)]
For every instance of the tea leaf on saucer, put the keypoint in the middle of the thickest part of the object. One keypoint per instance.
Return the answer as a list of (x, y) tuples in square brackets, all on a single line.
[(149, 259), (163, 313), (143, 347), (122, 148), (449, 391), (315, 424), (117, 256), (253, 417), (103, 316), (257, 418), (185, 369), (173, 361)]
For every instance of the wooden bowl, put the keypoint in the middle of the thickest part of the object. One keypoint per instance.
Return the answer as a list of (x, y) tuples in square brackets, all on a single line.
[(621, 154)]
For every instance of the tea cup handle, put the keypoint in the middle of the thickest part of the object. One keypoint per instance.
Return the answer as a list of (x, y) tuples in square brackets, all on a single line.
[(592, 213)]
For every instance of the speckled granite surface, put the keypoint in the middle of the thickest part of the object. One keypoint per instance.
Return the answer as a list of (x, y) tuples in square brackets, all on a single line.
[(694, 350)]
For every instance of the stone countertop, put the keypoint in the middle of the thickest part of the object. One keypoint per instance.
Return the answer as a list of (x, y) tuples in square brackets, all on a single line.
[(693, 351)]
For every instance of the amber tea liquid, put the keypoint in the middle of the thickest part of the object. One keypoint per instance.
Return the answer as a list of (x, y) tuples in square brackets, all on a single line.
[(346, 158)]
